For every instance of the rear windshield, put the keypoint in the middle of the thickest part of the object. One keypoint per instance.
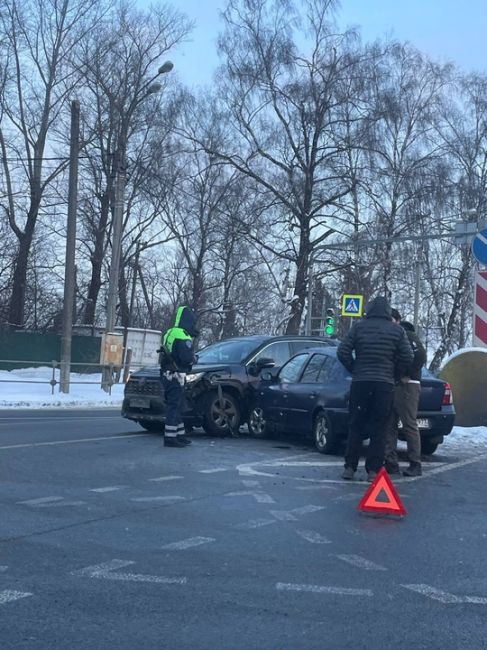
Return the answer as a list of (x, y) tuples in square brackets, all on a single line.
[(227, 352)]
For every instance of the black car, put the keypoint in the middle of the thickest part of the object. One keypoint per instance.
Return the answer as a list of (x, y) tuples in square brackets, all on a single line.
[(219, 390), (309, 395)]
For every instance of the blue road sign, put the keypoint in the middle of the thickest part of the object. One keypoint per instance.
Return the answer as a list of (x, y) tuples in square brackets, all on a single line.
[(352, 305), (479, 246)]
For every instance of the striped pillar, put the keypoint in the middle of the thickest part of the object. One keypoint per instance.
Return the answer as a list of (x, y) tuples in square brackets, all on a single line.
[(480, 310)]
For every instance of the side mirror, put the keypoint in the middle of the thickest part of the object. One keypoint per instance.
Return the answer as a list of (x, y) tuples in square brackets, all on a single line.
[(267, 376), (259, 365)]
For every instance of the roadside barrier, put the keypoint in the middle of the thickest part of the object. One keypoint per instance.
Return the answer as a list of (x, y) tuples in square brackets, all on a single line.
[(109, 379)]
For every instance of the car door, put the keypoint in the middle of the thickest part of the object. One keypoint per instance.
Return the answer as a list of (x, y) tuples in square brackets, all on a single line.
[(279, 394), (302, 396)]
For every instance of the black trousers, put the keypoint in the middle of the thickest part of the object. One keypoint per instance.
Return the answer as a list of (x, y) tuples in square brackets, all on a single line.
[(173, 383), (370, 407)]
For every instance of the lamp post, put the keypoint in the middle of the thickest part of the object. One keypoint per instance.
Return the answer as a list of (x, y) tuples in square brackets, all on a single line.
[(118, 205)]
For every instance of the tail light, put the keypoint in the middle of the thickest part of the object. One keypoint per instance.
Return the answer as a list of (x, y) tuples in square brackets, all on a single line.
[(447, 396)]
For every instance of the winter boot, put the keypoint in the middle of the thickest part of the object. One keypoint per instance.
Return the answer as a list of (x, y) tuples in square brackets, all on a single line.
[(392, 468), (183, 438), (174, 442), (348, 474), (414, 469)]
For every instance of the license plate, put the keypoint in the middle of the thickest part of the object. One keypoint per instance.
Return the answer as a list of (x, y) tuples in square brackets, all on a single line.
[(140, 403), (423, 423)]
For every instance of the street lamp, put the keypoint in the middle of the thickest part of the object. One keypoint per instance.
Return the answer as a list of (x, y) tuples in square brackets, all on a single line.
[(118, 205)]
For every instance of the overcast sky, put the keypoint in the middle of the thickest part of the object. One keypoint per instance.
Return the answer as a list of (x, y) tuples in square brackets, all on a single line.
[(448, 30)]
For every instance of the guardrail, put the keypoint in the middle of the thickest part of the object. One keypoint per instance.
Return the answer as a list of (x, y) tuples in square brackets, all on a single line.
[(113, 376)]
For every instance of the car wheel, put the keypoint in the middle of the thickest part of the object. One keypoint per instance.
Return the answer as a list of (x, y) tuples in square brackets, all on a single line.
[(325, 439), (221, 416), (428, 447), (257, 425), (154, 427)]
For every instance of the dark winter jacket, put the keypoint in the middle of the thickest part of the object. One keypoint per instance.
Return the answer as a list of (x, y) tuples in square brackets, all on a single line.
[(414, 370), (177, 342), (376, 349)]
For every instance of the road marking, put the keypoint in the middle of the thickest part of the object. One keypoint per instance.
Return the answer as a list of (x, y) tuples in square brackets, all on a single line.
[(40, 501), (318, 589), (304, 510), (213, 471), (315, 487), (255, 469), (256, 523), (187, 543), (283, 515), (105, 572), (260, 497), (444, 596), (313, 537), (73, 418), (8, 596), (77, 440), (110, 488), (361, 562), (250, 484), (164, 478), (168, 499), (62, 504)]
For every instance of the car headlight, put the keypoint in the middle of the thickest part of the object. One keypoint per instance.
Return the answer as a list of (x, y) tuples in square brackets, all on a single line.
[(194, 376)]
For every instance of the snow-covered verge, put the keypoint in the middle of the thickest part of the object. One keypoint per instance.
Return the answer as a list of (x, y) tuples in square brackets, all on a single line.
[(17, 392), (473, 438)]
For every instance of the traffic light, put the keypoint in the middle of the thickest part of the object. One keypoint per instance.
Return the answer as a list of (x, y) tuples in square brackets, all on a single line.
[(330, 322)]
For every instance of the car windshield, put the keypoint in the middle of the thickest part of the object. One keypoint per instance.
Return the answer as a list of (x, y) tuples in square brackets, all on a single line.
[(227, 351)]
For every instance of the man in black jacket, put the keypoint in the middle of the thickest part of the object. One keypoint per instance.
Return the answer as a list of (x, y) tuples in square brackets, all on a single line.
[(177, 358), (374, 351), (405, 407)]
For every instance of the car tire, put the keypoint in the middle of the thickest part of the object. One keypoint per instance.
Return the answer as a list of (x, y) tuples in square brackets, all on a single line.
[(215, 416), (325, 438), (428, 447), (257, 425), (153, 427)]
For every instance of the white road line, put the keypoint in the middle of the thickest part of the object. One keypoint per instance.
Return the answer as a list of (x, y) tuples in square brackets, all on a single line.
[(105, 572), (8, 596), (313, 537), (61, 504), (318, 589), (444, 468), (110, 488), (444, 596), (168, 499), (260, 497), (164, 478), (40, 501), (77, 440), (304, 510), (320, 486), (187, 543), (251, 484), (283, 515), (213, 471), (361, 562), (256, 523)]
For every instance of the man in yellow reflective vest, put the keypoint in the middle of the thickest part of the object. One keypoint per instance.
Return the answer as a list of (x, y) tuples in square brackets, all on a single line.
[(177, 358)]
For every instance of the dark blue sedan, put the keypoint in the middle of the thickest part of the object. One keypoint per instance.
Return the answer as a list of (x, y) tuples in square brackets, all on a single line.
[(309, 396)]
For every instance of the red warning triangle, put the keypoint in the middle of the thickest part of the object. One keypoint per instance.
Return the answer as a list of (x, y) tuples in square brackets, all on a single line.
[(382, 486)]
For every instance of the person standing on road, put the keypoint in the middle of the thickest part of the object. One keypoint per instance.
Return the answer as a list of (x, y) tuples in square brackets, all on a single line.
[(374, 352), (177, 358), (405, 407)]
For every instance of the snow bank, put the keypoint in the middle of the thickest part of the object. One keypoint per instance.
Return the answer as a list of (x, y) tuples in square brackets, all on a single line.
[(17, 392), (461, 438)]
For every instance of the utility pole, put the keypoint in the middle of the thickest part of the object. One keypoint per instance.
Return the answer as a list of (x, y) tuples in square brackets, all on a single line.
[(70, 269), (309, 315)]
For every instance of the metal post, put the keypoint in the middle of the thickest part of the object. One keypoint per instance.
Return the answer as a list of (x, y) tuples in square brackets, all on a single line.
[(309, 322), (69, 275), (117, 228)]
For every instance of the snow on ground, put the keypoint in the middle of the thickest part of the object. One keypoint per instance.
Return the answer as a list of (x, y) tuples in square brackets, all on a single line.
[(472, 438), (17, 392)]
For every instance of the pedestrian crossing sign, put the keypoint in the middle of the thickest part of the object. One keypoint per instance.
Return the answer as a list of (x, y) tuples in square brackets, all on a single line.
[(352, 305)]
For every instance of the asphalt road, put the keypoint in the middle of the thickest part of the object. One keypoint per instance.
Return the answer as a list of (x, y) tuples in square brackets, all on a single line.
[(109, 540)]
